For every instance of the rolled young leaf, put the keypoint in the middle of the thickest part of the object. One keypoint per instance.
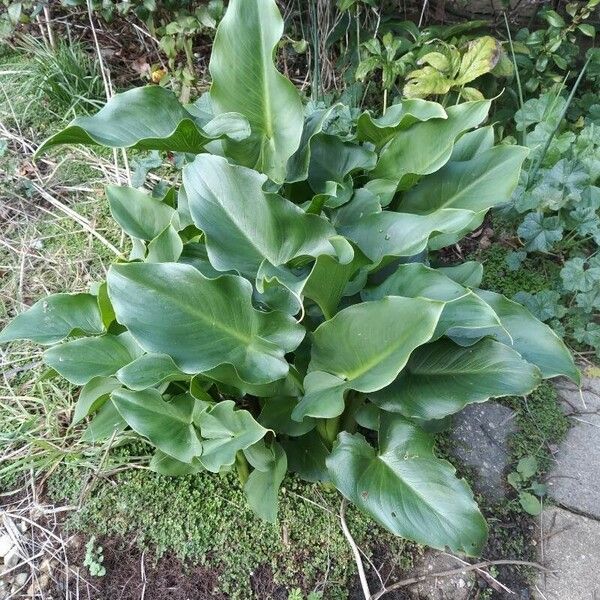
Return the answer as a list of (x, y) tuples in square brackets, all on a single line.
[(147, 118), (245, 80), (202, 323), (406, 489)]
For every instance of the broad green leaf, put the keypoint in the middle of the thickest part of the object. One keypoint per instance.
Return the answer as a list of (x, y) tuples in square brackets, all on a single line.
[(276, 414), (332, 161), (83, 359), (167, 425), (363, 348), (226, 374), (478, 184), (306, 456), (54, 318), (398, 116), (328, 280), (442, 378), (440, 240), (390, 233), (481, 57), (532, 339), (167, 465), (262, 487), (245, 80), (469, 273), (148, 371), (244, 225), (578, 276), (406, 489), (465, 317), (202, 323), (282, 288), (147, 118), (225, 431), (425, 147), (139, 214), (472, 143), (92, 396), (527, 467), (297, 166), (165, 247), (259, 455), (105, 423)]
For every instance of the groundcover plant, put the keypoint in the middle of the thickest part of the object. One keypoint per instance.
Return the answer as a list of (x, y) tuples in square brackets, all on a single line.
[(281, 310)]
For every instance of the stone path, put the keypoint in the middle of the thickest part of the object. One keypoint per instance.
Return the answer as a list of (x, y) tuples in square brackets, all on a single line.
[(481, 441), (570, 531)]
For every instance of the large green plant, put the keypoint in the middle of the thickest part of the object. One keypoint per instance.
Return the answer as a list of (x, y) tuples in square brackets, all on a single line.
[(280, 311)]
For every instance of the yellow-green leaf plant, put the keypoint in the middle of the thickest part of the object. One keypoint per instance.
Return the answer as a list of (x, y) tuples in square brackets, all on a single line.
[(283, 309)]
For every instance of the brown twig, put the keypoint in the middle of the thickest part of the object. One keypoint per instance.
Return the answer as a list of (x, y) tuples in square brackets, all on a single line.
[(458, 571)]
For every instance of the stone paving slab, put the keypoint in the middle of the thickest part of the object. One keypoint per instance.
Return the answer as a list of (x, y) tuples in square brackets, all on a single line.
[(457, 587), (574, 482), (481, 434), (571, 545)]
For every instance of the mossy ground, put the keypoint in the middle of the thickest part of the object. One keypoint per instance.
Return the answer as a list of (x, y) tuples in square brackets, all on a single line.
[(204, 519)]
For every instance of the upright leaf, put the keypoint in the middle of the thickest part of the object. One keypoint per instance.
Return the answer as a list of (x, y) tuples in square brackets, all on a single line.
[(398, 116), (246, 81), (139, 214), (425, 147), (262, 486)]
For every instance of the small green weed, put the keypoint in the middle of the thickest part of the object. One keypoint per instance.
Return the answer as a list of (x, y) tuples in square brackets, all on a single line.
[(529, 489), (94, 557)]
